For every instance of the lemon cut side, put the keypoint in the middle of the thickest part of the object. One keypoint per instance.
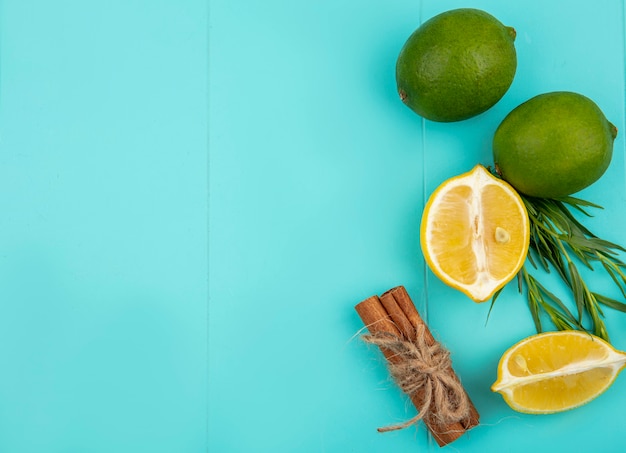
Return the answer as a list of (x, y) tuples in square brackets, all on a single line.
[(556, 371), (475, 233)]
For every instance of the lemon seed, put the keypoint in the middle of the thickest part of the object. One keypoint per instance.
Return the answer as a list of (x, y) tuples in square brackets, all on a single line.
[(502, 235)]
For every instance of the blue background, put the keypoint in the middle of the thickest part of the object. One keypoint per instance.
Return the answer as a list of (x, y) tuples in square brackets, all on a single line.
[(195, 194), (103, 214)]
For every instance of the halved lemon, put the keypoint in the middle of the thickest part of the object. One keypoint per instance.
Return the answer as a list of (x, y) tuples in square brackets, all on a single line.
[(475, 233), (556, 371)]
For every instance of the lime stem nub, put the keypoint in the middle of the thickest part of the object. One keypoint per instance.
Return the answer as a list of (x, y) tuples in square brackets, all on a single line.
[(613, 128), (403, 96), (512, 32)]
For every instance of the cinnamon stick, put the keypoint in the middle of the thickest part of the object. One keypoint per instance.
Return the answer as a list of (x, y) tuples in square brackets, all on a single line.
[(394, 313)]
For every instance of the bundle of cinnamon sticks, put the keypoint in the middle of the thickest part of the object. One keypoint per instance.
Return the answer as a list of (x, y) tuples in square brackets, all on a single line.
[(394, 314)]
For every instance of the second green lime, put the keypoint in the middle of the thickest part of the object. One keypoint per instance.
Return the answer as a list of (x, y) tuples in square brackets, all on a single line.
[(554, 145), (456, 65)]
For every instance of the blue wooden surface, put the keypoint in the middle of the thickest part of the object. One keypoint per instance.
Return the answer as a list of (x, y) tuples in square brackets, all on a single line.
[(103, 251), (135, 136), (318, 176)]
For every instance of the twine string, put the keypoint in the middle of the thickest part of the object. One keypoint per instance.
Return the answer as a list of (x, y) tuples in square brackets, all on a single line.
[(425, 370)]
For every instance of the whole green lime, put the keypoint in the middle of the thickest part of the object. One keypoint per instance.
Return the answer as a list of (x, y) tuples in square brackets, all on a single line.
[(456, 65), (554, 145)]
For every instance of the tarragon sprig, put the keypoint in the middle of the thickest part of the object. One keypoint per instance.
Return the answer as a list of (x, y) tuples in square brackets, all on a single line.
[(559, 241)]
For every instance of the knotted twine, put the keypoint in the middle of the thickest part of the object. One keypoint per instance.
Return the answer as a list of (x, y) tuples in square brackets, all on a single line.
[(424, 368)]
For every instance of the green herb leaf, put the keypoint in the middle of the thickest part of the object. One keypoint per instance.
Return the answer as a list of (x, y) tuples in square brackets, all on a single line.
[(557, 238)]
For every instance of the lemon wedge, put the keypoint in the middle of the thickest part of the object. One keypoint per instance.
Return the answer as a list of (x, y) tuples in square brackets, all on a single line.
[(475, 233), (556, 371)]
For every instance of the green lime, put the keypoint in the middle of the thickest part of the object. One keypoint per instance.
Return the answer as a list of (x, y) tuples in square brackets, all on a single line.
[(553, 145), (456, 65)]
